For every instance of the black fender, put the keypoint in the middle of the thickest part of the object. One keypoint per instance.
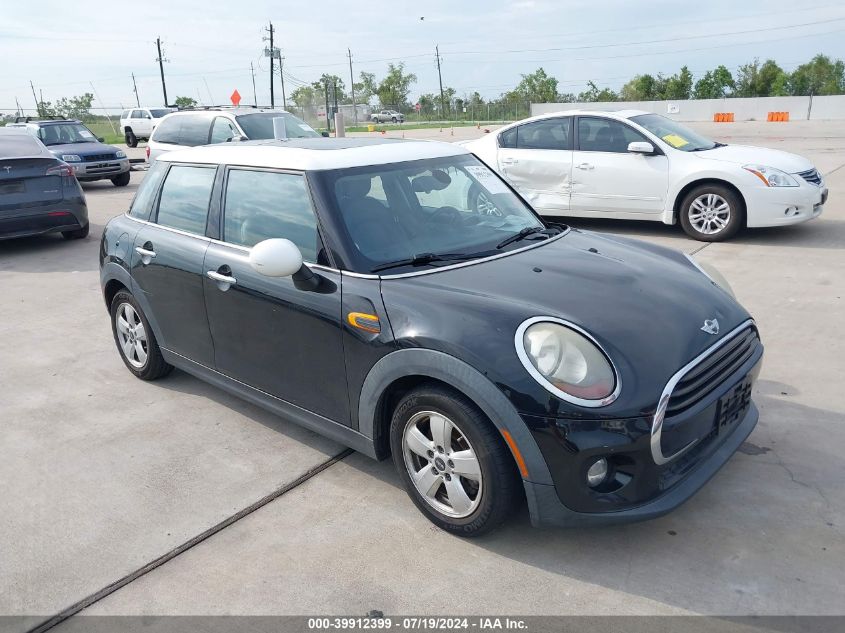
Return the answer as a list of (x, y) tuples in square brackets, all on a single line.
[(112, 271), (464, 378)]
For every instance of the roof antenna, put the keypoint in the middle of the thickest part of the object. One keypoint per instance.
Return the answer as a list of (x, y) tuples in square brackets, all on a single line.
[(280, 132)]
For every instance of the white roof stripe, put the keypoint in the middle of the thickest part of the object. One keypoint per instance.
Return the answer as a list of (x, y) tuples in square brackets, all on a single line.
[(278, 156)]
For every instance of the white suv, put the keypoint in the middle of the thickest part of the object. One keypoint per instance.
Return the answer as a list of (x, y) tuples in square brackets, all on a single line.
[(137, 124), (204, 126)]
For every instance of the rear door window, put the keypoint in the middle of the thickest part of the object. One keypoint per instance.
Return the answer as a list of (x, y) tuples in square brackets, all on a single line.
[(545, 134), (184, 198), (261, 205), (194, 130), (168, 131)]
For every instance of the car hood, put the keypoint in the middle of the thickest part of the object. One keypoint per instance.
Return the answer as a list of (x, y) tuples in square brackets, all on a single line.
[(745, 154), (644, 304), (82, 149)]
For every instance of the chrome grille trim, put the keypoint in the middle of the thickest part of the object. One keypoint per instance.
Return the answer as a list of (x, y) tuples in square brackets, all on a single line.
[(659, 415), (812, 176)]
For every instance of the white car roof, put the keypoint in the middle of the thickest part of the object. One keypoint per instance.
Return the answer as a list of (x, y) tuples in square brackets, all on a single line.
[(613, 114), (315, 153), (224, 111)]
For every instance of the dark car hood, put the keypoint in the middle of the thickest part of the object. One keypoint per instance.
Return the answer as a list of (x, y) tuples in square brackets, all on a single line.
[(643, 303), (82, 149)]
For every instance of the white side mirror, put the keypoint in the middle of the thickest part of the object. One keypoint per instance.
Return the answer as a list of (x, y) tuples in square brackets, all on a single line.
[(275, 258), (640, 147)]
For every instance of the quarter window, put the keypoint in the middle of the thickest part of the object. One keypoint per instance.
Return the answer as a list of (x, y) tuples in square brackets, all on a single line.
[(261, 205), (147, 191), (184, 198), (605, 135)]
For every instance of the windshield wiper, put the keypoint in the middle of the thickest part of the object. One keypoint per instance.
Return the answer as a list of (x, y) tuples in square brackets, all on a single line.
[(425, 258), (529, 230)]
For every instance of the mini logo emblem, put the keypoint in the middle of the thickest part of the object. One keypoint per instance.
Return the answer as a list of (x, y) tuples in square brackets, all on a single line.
[(711, 326)]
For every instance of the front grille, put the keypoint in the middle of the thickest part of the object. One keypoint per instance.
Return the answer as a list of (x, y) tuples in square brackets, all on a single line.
[(811, 176), (713, 371), (111, 168), (94, 158)]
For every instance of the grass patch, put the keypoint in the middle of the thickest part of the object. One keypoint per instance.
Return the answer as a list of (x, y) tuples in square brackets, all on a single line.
[(104, 130)]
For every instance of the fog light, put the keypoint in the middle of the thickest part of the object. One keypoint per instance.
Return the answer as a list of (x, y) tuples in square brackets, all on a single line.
[(597, 472)]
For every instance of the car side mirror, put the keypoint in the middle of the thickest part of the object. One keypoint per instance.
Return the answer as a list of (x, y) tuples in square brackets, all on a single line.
[(278, 257), (641, 147), (324, 134), (237, 138), (101, 139)]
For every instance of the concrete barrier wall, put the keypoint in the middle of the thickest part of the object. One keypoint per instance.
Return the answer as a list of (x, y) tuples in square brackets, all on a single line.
[(750, 109)]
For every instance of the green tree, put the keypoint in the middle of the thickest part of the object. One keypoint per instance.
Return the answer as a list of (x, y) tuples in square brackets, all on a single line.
[(679, 85), (366, 89), (819, 76), (394, 89), (326, 86), (537, 87), (78, 107), (305, 96), (593, 93), (715, 84), (640, 88), (185, 102), (754, 80)]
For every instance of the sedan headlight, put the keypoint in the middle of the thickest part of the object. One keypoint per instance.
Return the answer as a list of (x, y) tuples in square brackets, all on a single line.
[(71, 158), (566, 361), (120, 154), (713, 274), (771, 176)]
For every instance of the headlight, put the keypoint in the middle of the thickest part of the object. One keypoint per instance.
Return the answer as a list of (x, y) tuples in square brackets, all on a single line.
[(771, 176), (120, 154), (566, 361), (71, 158), (712, 273)]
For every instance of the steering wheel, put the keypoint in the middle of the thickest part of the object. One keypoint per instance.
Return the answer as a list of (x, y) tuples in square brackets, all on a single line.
[(449, 214)]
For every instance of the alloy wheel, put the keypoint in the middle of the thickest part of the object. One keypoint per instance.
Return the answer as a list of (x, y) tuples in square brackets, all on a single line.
[(442, 464), (131, 335), (709, 213)]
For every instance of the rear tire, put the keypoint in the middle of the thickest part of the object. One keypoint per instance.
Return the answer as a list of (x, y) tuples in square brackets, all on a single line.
[(454, 464), (77, 234), (712, 213), (131, 139), (135, 340), (122, 180)]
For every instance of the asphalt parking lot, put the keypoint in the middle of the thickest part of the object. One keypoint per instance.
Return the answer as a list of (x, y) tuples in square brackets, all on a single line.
[(103, 473)]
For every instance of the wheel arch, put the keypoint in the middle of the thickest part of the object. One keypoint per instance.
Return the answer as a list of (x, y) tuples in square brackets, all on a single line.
[(400, 371), (110, 290), (683, 191)]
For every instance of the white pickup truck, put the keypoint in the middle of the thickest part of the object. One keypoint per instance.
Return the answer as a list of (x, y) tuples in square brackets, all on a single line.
[(137, 124)]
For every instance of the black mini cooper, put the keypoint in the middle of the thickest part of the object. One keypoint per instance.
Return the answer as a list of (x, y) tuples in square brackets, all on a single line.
[(400, 298)]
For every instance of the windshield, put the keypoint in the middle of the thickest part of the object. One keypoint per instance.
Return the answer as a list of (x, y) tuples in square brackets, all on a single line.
[(678, 136), (65, 133), (160, 112), (429, 212), (260, 125)]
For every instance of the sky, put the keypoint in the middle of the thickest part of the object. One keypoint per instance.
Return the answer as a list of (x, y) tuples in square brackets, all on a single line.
[(69, 48)]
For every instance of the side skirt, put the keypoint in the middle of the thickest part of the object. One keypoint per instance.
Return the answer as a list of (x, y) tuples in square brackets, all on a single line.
[(312, 421)]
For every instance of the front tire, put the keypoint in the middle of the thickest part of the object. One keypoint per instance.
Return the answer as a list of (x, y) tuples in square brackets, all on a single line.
[(454, 464), (131, 139), (712, 213), (122, 180), (135, 339)]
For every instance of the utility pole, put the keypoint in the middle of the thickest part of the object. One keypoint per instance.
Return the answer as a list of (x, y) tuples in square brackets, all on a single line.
[(135, 90), (352, 87), (160, 59), (282, 73), (272, 54), (34, 98), (254, 93), (19, 110), (328, 115), (440, 79)]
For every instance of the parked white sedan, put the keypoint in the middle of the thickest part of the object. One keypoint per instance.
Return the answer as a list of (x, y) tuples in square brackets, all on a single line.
[(636, 165)]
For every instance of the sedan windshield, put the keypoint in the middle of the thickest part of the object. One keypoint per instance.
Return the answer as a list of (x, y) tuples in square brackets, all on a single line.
[(677, 135), (427, 212), (260, 125), (65, 133)]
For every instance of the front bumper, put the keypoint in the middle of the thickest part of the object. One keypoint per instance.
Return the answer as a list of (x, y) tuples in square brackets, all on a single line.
[(546, 508), (100, 170), (782, 206)]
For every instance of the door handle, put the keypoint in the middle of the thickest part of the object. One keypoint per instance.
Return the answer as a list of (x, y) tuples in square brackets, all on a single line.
[(585, 166), (509, 161), (221, 279), (144, 252)]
